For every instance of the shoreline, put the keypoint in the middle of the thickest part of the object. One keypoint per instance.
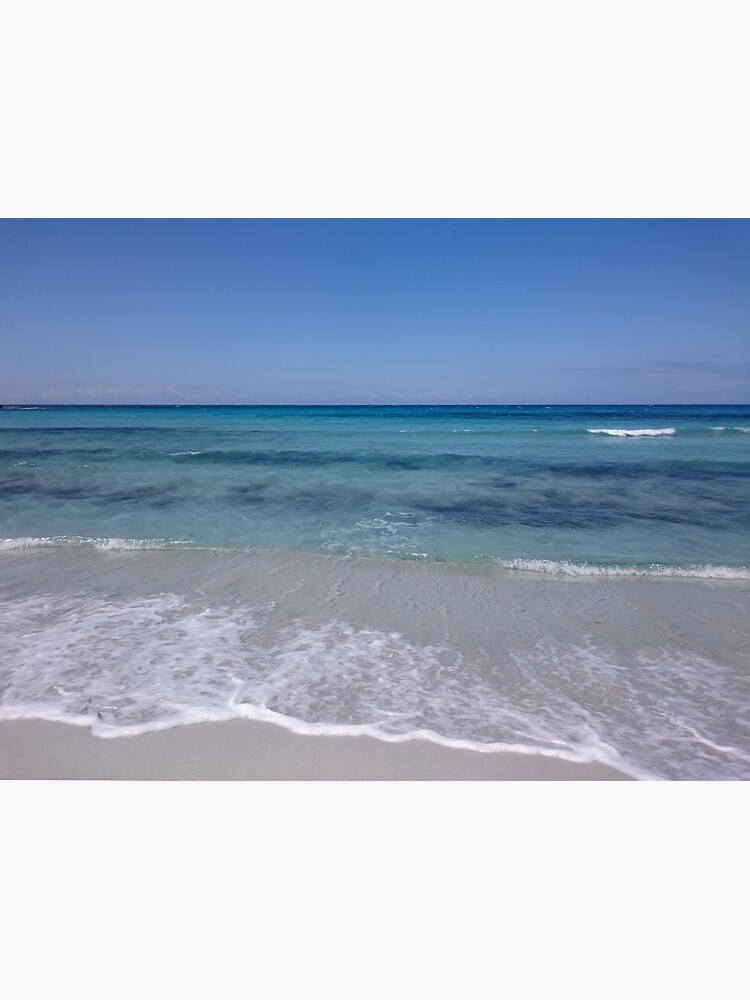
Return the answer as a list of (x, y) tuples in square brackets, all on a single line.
[(250, 750), (511, 568), (496, 658)]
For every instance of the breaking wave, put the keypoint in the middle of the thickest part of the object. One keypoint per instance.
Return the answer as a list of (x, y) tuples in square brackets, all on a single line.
[(103, 544), (566, 568), (634, 432)]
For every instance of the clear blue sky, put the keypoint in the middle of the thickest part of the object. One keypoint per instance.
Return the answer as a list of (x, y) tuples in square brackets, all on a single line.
[(402, 311)]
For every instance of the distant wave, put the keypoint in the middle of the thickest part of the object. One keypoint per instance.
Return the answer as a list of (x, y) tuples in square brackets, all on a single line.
[(636, 432), (103, 544), (565, 568)]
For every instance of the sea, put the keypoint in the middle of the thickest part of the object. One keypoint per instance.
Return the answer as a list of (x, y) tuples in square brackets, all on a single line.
[(572, 581)]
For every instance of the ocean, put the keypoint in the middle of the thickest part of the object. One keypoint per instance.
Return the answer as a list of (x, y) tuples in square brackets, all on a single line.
[(564, 580)]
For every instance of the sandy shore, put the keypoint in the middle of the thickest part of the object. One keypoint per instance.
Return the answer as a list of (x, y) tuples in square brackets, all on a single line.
[(244, 750)]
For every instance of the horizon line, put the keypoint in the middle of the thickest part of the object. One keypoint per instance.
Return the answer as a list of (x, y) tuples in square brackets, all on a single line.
[(177, 406)]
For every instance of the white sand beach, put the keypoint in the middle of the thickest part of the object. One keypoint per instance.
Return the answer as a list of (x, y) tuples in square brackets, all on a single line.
[(261, 751)]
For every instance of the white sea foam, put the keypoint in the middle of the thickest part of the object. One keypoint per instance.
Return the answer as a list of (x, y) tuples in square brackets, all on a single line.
[(161, 660), (634, 432), (6, 544), (128, 666), (104, 544), (125, 667), (566, 568)]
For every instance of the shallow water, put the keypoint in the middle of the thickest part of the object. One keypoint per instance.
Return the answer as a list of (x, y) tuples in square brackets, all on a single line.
[(602, 485)]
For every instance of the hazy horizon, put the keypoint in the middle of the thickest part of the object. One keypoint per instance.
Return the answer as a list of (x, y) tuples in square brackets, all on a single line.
[(26, 405)]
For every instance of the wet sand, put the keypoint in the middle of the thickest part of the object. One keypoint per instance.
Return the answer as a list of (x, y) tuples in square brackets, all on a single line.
[(260, 751)]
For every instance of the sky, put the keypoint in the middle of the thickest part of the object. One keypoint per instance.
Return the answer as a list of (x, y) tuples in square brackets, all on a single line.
[(342, 311)]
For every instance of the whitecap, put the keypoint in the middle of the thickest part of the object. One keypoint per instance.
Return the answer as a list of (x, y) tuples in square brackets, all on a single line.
[(634, 432)]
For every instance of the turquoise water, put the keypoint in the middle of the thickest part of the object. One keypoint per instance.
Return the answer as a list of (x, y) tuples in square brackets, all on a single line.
[(604, 486), (572, 581)]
